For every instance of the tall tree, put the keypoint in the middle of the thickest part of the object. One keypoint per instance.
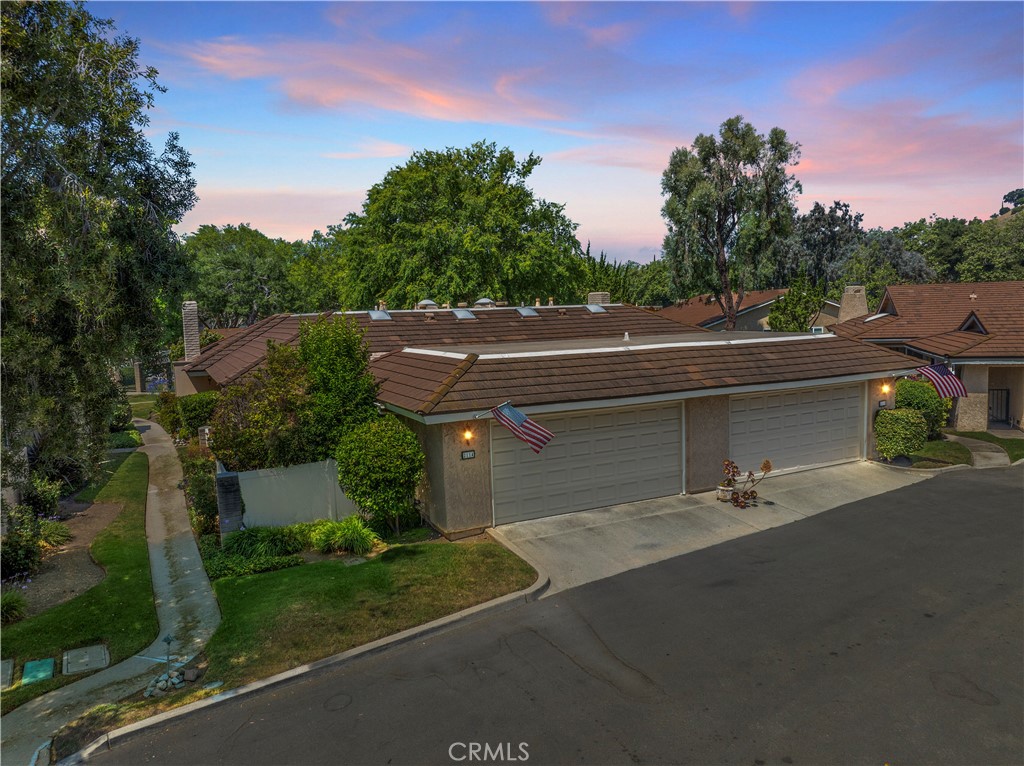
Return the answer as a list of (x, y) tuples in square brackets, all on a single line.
[(730, 203), (823, 239), (456, 225), (798, 309), (88, 206), (940, 241), (881, 260), (993, 250), (241, 275), (316, 273)]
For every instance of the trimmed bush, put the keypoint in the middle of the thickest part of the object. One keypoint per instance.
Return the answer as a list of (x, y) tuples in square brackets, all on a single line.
[(167, 413), (921, 396), (380, 463), (900, 432), (13, 607), (196, 411)]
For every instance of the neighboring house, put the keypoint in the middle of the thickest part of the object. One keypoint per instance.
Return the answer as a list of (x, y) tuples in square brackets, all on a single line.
[(704, 311), (976, 328), (648, 415)]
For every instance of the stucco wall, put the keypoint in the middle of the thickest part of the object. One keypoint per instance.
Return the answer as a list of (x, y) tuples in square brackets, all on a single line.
[(185, 384), (467, 488), (1011, 378), (972, 410), (430, 493), (707, 441), (877, 393)]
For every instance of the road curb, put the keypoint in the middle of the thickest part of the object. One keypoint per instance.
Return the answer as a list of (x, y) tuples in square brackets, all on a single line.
[(500, 604), (923, 471)]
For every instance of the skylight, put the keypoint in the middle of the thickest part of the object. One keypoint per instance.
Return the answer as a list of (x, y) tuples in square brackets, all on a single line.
[(463, 314), (378, 315), (526, 311), (484, 303), (594, 308)]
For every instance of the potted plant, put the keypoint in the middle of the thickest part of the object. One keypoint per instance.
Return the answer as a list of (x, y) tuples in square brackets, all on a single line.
[(740, 495), (727, 486)]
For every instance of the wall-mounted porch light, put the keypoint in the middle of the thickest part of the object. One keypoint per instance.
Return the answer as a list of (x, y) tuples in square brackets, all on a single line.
[(467, 435)]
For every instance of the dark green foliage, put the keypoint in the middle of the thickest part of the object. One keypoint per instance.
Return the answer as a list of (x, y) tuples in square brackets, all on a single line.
[(730, 205), (123, 439), (121, 419), (647, 284), (341, 389), (20, 552), (380, 463), (822, 241), (13, 607), (196, 411), (899, 432), (350, 534), (89, 253), (921, 395), (457, 225), (176, 350), (264, 541), (166, 412), (42, 495), (200, 485), (53, 534), (993, 250), (798, 309), (227, 565)]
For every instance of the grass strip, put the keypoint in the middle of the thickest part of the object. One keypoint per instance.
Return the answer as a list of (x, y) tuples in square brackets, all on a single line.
[(143, 405), (941, 454), (1013, 447), (119, 612), (109, 467)]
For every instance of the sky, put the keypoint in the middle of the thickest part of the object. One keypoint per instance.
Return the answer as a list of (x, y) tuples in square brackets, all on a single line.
[(293, 110)]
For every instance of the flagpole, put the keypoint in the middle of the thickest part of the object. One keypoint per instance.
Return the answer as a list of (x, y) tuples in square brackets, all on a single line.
[(482, 414)]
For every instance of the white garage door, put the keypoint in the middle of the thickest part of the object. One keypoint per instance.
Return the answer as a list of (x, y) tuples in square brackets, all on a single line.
[(797, 428), (597, 458)]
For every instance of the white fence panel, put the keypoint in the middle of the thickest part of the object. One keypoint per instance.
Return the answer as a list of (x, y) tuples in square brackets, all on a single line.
[(276, 497)]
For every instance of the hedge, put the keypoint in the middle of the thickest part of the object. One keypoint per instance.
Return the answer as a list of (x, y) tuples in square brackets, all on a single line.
[(196, 410), (901, 431), (921, 396)]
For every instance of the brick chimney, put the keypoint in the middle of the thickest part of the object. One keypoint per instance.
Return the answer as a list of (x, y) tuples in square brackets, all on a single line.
[(854, 303), (190, 329)]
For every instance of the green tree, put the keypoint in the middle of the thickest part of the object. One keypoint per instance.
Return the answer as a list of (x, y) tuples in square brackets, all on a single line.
[(641, 284), (730, 203), (457, 225), (821, 243), (940, 241), (85, 228), (241, 275), (316, 272), (993, 250), (798, 309), (881, 260)]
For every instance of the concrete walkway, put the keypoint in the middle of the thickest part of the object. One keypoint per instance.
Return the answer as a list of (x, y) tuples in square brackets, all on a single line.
[(983, 454), (582, 547), (185, 606)]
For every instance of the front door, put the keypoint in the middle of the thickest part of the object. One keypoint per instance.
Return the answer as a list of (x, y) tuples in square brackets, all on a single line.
[(999, 405)]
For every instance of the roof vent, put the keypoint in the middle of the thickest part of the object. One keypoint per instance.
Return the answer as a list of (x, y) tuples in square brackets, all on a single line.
[(429, 316), (484, 303), (379, 315), (526, 311), (625, 335), (464, 313), (501, 304), (536, 301), (599, 298), (446, 305), (551, 301), (426, 303), (463, 305), (593, 308), (563, 312), (973, 296)]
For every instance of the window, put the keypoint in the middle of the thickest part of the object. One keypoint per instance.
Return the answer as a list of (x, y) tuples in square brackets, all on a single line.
[(526, 311), (593, 308), (379, 316), (464, 314)]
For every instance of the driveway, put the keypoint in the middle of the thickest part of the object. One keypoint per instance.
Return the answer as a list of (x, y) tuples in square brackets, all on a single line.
[(578, 548), (885, 631)]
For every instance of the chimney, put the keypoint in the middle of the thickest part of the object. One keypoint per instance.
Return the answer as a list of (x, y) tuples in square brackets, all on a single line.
[(551, 301), (190, 329), (599, 299), (854, 303), (536, 301)]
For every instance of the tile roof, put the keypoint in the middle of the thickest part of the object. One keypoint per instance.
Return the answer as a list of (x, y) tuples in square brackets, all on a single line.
[(441, 381), (703, 310), (232, 357), (931, 317)]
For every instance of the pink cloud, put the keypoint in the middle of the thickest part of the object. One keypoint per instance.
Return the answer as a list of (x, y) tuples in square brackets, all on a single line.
[(371, 148)]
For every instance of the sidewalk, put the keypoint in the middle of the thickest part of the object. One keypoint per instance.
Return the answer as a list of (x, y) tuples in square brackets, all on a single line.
[(984, 454), (185, 605)]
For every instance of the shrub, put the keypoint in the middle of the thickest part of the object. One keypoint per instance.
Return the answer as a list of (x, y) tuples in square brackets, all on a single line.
[(350, 534), (20, 553), (121, 417), (124, 439), (921, 396), (167, 413), (263, 541), (899, 432), (12, 607), (196, 411), (53, 534), (227, 565), (42, 495), (380, 462), (201, 493)]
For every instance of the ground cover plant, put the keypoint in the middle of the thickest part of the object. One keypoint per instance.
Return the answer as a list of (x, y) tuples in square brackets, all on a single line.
[(124, 439), (118, 612)]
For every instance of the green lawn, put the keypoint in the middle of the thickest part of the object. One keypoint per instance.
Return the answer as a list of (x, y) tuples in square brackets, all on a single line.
[(275, 621), (118, 612), (1014, 447), (940, 454), (142, 405), (109, 467)]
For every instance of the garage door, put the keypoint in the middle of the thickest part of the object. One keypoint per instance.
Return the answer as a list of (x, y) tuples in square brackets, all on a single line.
[(597, 458), (797, 428)]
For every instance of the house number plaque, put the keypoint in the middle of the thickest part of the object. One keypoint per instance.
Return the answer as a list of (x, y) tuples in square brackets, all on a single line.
[(468, 454)]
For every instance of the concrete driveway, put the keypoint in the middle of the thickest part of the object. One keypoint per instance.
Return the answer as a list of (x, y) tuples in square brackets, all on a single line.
[(578, 548)]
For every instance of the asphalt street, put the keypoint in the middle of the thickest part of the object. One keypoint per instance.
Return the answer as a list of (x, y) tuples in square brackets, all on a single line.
[(890, 630)]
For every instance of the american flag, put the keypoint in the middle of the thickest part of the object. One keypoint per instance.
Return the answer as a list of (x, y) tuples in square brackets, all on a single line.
[(522, 427), (945, 382)]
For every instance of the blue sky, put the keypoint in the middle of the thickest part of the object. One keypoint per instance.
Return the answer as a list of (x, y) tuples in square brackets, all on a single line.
[(293, 110)]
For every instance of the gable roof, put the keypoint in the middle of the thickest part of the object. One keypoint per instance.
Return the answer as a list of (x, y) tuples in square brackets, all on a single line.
[(229, 359), (965, 321), (449, 380), (703, 310)]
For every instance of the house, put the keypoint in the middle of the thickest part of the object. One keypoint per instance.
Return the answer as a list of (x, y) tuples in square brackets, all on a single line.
[(704, 311), (976, 328), (640, 406)]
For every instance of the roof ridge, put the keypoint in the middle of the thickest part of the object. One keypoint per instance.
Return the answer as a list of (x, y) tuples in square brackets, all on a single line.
[(231, 341), (456, 374)]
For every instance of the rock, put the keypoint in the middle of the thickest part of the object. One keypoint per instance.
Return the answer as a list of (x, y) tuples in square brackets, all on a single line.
[(191, 674), (162, 685)]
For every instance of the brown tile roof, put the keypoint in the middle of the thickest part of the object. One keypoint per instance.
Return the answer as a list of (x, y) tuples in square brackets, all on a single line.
[(435, 382), (232, 357), (703, 310), (930, 318)]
